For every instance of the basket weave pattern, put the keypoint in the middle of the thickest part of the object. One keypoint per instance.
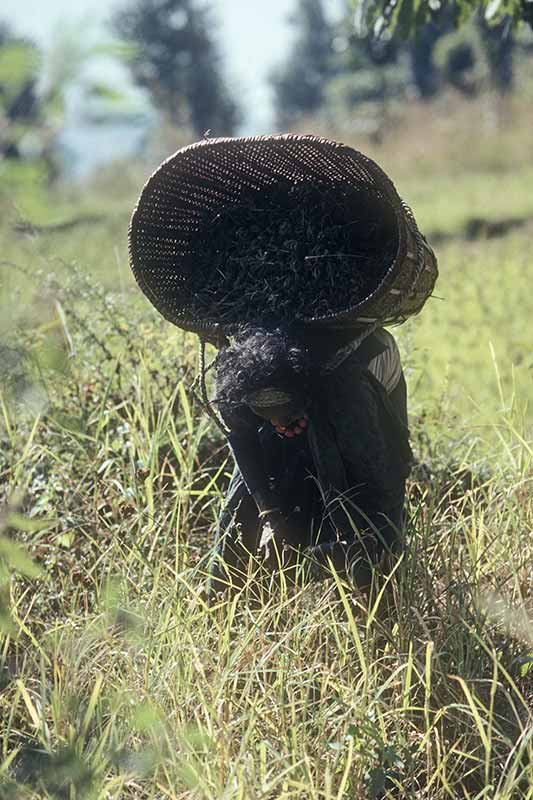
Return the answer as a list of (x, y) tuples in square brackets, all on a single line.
[(187, 191)]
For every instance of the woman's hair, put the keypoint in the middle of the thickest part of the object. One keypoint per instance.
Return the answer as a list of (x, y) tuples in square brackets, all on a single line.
[(259, 358)]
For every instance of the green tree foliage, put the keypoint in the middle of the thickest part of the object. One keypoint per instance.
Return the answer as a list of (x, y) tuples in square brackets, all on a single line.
[(299, 82), (391, 50), (175, 58), (407, 17), (476, 41), (498, 46), (366, 70), (378, 64), (460, 60), (425, 22)]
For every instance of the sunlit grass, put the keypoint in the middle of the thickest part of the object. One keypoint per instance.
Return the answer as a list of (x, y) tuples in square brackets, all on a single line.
[(117, 681), (120, 682)]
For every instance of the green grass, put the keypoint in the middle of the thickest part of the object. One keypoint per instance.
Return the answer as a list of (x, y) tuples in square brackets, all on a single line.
[(116, 681), (472, 345)]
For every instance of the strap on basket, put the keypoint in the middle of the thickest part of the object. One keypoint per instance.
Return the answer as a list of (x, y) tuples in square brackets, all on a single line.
[(203, 397)]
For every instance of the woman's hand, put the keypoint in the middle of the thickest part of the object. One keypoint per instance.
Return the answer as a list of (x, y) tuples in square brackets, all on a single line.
[(290, 429), (275, 545), (272, 537)]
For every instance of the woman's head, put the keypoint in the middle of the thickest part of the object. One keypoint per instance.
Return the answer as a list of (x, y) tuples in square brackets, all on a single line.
[(269, 371)]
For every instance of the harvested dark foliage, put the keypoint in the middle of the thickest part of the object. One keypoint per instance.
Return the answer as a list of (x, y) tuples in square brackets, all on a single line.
[(296, 253)]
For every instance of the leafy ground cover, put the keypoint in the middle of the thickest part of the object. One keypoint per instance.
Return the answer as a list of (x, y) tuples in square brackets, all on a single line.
[(116, 681)]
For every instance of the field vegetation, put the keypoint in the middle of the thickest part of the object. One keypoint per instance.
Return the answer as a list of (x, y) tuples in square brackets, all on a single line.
[(116, 680)]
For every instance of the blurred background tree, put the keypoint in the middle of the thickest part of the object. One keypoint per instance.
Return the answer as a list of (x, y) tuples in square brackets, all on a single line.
[(20, 106), (384, 52), (176, 59), (357, 69), (35, 88), (408, 17), (300, 80)]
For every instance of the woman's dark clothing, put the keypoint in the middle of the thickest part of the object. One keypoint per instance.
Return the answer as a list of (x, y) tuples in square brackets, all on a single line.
[(343, 480)]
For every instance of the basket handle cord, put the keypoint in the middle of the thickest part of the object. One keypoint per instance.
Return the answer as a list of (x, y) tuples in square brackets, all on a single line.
[(203, 397)]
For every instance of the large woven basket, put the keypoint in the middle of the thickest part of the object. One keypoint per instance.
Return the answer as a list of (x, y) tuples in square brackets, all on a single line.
[(185, 193)]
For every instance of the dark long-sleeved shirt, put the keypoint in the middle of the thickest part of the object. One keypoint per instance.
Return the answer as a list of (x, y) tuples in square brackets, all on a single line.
[(357, 432)]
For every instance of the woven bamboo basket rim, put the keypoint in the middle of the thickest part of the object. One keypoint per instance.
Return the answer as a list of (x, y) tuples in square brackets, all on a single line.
[(207, 172)]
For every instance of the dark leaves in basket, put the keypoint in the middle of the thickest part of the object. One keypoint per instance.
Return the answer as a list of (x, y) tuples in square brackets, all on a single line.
[(293, 254)]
